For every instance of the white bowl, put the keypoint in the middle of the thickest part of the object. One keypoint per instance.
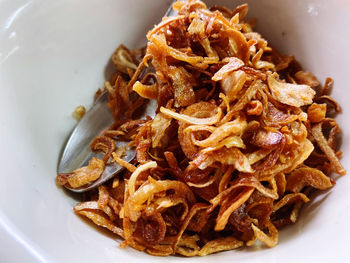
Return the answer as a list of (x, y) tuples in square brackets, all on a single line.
[(54, 55)]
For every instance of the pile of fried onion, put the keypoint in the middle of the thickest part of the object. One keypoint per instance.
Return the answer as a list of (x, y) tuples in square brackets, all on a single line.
[(241, 137)]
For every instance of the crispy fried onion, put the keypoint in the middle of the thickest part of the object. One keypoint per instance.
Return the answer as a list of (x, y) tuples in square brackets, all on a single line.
[(123, 59), (244, 181), (327, 149), (233, 64), (229, 205), (298, 156), (290, 94), (267, 139), (198, 61), (244, 100), (193, 120), (194, 210), (269, 240), (136, 202), (227, 156), (233, 197), (146, 91), (290, 198), (238, 141), (317, 112), (307, 78), (307, 176), (105, 144), (136, 173), (160, 123), (99, 216), (220, 244), (182, 83), (235, 127), (232, 83), (86, 174), (202, 110)]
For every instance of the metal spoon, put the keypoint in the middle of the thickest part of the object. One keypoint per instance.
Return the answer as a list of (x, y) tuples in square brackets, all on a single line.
[(77, 152)]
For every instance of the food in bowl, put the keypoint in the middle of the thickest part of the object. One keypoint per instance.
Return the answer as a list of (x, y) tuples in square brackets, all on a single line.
[(241, 137)]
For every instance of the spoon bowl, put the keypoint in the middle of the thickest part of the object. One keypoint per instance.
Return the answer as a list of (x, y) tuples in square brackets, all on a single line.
[(77, 151)]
